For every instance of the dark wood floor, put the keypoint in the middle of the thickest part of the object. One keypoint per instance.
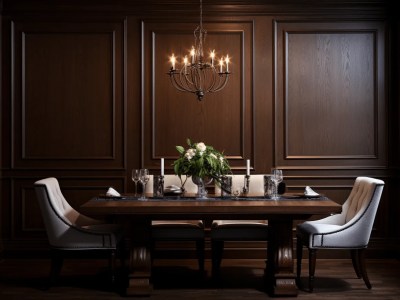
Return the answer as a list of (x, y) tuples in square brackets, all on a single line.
[(178, 279)]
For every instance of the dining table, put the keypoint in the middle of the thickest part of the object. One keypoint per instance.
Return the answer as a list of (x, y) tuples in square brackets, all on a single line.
[(136, 217)]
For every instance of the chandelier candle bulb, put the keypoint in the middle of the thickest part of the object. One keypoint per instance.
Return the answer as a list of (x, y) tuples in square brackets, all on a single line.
[(185, 62), (221, 64), (192, 53), (227, 63), (212, 57), (173, 60)]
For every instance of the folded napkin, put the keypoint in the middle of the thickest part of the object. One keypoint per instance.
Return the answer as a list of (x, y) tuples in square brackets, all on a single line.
[(309, 192), (112, 193)]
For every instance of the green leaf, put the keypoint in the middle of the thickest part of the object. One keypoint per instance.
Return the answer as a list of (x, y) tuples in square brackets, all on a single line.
[(180, 149)]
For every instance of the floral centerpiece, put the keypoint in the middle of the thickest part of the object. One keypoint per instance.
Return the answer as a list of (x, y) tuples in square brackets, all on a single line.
[(201, 162)]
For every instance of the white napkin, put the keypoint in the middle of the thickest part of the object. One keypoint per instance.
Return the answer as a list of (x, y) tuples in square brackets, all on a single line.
[(310, 192), (112, 193)]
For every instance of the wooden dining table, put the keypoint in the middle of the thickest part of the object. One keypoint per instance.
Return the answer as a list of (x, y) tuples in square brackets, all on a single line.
[(136, 215)]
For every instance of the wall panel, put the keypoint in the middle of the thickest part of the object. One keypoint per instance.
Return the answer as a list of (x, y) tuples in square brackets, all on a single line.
[(329, 94), (68, 95)]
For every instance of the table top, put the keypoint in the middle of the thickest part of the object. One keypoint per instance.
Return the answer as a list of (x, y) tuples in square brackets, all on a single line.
[(188, 206)]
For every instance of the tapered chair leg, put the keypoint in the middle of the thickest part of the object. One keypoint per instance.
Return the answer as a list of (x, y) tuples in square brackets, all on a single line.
[(200, 249), (363, 269), (217, 248), (356, 262), (112, 266), (56, 265), (311, 268), (299, 251)]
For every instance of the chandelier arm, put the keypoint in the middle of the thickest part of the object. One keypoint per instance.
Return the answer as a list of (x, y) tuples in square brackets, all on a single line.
[(177, 84), (187, 78), (213, 79), (195, 77), (222, 83)]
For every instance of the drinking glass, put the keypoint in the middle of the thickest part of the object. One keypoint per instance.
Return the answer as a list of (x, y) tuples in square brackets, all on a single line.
[(144, 178), (135, 178), (237, 189), (276, 178)]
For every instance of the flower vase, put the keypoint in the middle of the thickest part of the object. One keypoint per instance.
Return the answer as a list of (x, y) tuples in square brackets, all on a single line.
[(201, 183)]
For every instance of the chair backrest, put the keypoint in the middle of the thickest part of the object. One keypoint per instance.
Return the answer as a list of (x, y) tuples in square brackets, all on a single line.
[(57, 214), (172, 179), (66, 228), (358, 214), (364, 191), (256, 183)]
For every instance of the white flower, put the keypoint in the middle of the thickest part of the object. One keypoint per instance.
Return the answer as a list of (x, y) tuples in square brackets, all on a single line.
[(190, 153), (201, 147), (213, 156)]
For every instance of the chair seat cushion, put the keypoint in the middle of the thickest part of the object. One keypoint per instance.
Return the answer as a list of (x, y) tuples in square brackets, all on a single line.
[(177, 230), (319, 235), (239, 230)]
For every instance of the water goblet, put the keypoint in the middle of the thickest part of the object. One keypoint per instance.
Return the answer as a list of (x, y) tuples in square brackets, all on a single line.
[(144, 178), (236, 189), (236, 193), (135, 178), (276, 178)]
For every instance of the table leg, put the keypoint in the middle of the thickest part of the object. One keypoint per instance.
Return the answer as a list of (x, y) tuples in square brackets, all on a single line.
[(139, 232), (280, 265)]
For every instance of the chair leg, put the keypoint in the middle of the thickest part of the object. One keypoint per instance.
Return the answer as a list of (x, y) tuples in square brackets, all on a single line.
[(56, 265), (311, 268), (112, 266), (356, 262), (200, 249), (299, 251), (217, 248), (363, 269)]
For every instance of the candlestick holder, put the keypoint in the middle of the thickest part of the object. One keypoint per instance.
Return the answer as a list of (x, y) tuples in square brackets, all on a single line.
[(158, 186), (246, 187)]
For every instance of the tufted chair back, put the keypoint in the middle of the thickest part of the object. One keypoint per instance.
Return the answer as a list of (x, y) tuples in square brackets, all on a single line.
[(352, 228)]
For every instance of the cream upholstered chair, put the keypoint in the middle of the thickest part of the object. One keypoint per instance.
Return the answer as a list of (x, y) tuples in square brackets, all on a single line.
[(237, 230), (68, 231), (179, 230), (349, 230)]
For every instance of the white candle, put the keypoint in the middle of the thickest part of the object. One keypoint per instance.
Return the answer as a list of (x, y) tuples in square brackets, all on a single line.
[(221, 64), (162, 166), (192, 54), (185, 62), (248, 167), (173, 60), (227, 63), (212, 55)]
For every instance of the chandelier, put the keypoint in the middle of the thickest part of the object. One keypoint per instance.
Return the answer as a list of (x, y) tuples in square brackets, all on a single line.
[(196, 75)]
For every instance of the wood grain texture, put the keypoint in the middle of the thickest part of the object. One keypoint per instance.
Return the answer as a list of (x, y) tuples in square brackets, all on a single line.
[(84, 96), (179, 279)]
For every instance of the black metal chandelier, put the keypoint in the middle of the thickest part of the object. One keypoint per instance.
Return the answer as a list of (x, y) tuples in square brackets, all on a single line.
[(196, 75)]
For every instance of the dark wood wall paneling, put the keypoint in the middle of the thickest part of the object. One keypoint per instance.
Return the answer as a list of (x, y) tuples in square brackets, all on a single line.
[(86, 98)]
